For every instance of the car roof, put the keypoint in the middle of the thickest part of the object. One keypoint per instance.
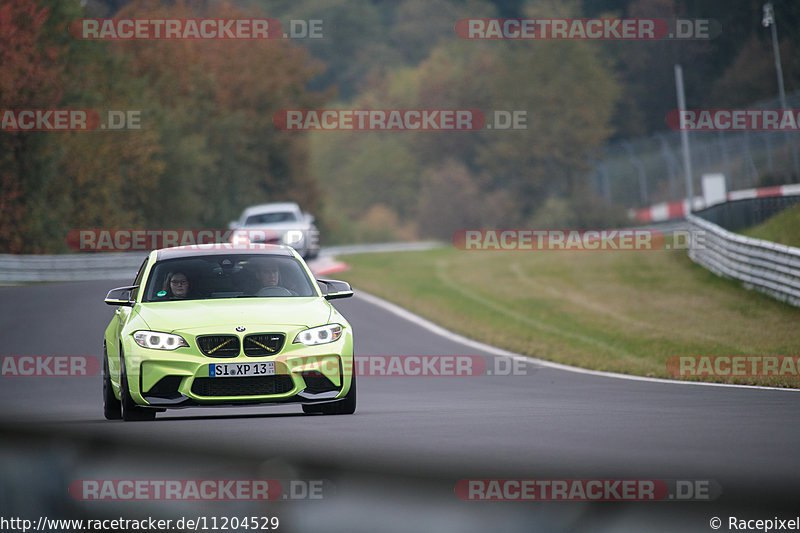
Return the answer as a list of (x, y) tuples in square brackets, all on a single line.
[(180, 252), (270, 208)]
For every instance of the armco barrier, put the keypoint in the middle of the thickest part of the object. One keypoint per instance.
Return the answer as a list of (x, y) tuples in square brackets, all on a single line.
[(736, 215), (18, 269), (15, 269), (762, 265)]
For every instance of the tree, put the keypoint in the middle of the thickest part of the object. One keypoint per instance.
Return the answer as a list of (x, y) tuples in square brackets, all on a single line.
[(30, 77), (214, 104)]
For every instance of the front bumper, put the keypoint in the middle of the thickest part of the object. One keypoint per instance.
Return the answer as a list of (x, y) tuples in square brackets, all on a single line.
[(180, 378)]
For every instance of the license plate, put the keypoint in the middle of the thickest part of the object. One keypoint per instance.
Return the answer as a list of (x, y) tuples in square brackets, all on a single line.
[(241, 370)]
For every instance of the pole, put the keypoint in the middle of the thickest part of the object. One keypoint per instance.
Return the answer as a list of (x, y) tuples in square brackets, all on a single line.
[(769, 19), (687, 159)]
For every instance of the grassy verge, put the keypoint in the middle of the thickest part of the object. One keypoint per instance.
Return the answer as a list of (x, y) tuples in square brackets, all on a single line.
[(616, 311), (783, 228)]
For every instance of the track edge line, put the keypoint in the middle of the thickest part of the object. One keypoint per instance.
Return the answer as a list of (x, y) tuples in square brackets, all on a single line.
[(456, 337)]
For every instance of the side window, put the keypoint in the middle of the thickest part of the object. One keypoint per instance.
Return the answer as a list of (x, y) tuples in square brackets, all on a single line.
[(138, 279)]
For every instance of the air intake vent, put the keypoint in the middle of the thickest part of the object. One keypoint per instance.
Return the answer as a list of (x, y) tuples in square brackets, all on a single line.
[(167, 387), (249, 386), (317, 383)]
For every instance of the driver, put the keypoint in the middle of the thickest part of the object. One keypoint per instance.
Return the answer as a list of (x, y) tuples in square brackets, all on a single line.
[(268, 274)]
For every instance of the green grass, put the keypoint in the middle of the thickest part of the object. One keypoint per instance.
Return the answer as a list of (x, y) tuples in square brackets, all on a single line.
[(615, 311), (783, 228)]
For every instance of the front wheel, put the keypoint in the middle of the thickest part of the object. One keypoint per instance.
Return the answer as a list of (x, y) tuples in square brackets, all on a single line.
[(131, 411), (345, 406), (112, 408)]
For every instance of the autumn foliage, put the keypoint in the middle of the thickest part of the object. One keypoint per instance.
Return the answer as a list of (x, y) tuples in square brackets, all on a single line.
[(206, 146), (30, 75)]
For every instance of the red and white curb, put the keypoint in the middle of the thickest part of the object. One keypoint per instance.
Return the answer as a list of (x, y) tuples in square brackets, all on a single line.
[(324, 266), (678, 209)]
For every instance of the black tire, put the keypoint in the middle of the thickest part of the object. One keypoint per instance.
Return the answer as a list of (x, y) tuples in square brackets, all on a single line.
[(112, 408), (130, 411), (345, 406)]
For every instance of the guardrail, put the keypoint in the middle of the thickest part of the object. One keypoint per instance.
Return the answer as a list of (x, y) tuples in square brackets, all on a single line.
[(735, 215), (352, 249), (17, 269), (762, 265)]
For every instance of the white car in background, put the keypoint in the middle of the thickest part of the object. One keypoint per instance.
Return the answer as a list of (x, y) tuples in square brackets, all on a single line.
[(281, 223)]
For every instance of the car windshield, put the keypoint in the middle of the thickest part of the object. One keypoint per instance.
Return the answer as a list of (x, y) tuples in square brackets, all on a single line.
[(271, 218), (227, 276)]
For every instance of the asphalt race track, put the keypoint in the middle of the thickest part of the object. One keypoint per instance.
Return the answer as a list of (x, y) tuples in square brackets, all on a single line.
[(395, 463)]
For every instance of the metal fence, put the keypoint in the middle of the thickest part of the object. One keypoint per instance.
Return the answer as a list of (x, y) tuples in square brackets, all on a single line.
[(762, 265), (648, 170)]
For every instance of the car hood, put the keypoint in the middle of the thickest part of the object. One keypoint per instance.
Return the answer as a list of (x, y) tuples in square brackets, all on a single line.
[(255, 312)]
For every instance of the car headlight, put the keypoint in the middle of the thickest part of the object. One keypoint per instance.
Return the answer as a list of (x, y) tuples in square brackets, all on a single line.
[(320, 335), (159, 341)]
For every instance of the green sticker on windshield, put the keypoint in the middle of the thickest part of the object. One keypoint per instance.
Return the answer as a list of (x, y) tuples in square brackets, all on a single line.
[(161, 293)]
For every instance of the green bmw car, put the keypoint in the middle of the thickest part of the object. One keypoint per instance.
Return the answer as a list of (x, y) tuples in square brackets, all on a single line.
[(227, 325)]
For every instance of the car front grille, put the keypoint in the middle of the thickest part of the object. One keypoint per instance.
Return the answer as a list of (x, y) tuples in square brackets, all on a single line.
[(219, 345), (263, 343), (247, 386)]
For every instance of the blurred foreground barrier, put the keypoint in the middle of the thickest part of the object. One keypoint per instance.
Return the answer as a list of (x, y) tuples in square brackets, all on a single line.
[(54, 471), (762, 265)]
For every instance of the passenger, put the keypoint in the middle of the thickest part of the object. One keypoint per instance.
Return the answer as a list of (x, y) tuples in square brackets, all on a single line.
[(177, 285)]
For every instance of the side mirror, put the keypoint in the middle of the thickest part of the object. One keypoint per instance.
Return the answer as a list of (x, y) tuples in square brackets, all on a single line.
[(309, 218), (121, 296), (333, 289)]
